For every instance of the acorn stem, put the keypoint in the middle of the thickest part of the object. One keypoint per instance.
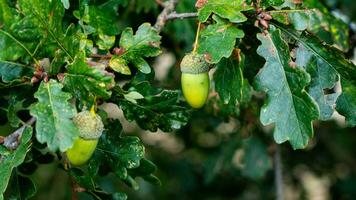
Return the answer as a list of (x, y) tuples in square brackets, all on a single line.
[(196, 38)]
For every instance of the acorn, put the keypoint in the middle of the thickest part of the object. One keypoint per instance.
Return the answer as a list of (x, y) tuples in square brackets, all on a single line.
[(90, 128), (195, 79)]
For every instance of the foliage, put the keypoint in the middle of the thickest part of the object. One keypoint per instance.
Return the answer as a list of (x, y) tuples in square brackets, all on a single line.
[(279, 67)]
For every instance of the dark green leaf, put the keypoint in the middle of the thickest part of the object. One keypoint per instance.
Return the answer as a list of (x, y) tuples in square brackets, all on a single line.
[(316, 18), (159, 111), (346, 103), (14, 106), (10, 71), (53, 113), (229, 82), (289, 107), (330, 56), (11, 159), (101, 18), (85, 82), (323, 77), (21, 188)]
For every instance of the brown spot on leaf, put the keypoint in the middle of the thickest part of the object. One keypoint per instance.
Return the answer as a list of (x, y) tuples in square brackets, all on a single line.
[(200, 3), (118, 51), (60, 77), (207, 57), (292, 64)]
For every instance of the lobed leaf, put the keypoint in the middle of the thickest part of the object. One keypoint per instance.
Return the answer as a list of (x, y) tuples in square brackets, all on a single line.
[(229, 9), (289, 107), (145, 43), (11, 159), (53, 113), (346, 103), (85, 82), (218, 40)]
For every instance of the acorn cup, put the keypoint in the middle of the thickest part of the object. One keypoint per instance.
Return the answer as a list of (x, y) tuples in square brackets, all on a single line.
[(195, 79), (90, 128)]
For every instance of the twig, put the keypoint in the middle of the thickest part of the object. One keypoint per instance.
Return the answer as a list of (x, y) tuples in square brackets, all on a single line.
[(107, 56), (162, 17), (175, 15), (278, 174), (160, 3), (12, 141)]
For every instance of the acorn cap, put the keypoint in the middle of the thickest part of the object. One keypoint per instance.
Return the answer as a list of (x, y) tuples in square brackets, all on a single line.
[(194, 63), (90, 125)]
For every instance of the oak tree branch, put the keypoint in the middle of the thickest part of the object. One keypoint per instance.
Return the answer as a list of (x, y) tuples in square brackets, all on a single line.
[(175, 15), (162, 17)]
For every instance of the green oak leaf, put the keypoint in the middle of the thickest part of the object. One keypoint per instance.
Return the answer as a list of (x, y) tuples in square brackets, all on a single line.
[(218, 40), (11, 159), (229, 81), (53, 115), (323, 77), (300, 19), (21, 187), (159, 109), (145, 43), (330, 56), (289, 107), (14, 107), (100, 18), (118, 154), (10, 71), (268, 3), (85, 81), (229, 9), (346, 103), (317, 19)]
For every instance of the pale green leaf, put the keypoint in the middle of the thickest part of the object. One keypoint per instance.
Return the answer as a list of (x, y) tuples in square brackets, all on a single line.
[(229, 9), (145, 43), (53, 113)]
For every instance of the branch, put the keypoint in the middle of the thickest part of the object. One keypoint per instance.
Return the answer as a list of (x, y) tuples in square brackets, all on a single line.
[(12, 141), (162, 17), (107, 56), (175, 15), (278, 174)]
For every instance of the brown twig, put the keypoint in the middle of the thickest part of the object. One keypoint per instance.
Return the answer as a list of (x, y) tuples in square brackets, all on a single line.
[(175, 15), (160, 3), (162, 17), (12, 141), (107, 56)]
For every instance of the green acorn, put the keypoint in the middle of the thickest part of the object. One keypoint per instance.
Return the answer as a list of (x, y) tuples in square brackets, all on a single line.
[(195, 79), (90, 128)]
